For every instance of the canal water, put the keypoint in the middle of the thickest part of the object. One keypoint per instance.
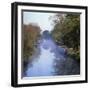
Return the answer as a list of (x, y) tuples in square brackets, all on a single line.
[(51, 60)]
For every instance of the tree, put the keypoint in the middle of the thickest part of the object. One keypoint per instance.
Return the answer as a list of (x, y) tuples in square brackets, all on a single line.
[(30, 36), (67, 31)]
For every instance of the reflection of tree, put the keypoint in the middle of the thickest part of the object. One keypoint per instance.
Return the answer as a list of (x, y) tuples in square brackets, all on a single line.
[(66, 66), (31, 34)]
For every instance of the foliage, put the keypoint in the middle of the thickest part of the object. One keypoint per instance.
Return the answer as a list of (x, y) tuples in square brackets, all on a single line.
[(67, 32), (31, 34)]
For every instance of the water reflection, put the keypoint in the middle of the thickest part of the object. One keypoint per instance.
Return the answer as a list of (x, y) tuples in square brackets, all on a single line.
[(51, 60), (66, 66), (42, 66)]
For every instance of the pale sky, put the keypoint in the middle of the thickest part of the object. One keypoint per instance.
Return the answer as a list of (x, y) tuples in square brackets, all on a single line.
[(41, 18)]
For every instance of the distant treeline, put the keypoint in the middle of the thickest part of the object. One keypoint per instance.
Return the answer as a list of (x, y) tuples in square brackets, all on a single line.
[(66, 32)]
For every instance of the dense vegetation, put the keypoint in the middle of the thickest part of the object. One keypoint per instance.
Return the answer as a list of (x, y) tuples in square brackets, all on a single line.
[(66, 32), (31, 34)]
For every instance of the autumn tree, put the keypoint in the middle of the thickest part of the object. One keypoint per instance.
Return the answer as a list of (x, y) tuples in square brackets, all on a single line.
[(30, 36)]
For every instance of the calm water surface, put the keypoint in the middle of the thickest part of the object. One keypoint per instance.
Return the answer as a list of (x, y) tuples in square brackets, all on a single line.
[(51, 60)]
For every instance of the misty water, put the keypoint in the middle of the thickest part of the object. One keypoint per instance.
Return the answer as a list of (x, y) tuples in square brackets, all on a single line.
[(50, 60)]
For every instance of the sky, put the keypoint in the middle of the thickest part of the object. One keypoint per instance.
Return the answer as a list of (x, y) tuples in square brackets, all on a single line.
[(40, 18)]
